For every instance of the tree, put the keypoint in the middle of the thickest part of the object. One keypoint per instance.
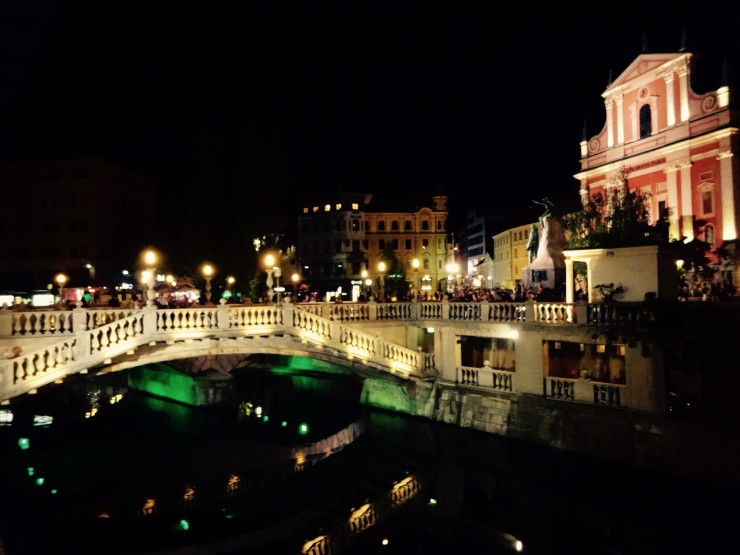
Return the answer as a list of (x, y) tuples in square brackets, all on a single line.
[(395, 276), (624, 222)]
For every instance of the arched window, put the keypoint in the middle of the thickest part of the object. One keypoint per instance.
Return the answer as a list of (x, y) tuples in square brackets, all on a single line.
[(646, 127), (709, 235)]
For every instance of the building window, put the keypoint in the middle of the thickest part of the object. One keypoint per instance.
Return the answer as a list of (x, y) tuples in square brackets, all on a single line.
[(355, 225), (425, 225), (425, 243), (407, 225), (381, 244), (365, 244), (394, 225), (707, 202), (408, 244), (426, 263), (663, 209), (646, 126), (709, 235), (381, 225), (395, 244)]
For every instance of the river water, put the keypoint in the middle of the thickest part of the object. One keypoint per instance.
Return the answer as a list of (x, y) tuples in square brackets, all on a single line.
[(297, 465)]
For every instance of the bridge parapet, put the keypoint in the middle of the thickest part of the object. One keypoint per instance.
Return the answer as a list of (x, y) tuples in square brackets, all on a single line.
[(44, 360), (51, 323)]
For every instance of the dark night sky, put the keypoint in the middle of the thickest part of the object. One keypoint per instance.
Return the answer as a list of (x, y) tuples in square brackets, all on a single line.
[(391, 98)]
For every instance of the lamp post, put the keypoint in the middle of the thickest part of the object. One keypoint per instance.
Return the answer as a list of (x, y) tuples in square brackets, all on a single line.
[(367, 282), (295, 277), (271, 267), (452, 270), (381, 271), (148, 276), (208, 270), (91, 269), (230, 281), (415, 266), (60, 280)]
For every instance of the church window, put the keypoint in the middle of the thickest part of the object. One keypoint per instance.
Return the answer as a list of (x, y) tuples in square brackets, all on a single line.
[(646, 127), (706, 190)]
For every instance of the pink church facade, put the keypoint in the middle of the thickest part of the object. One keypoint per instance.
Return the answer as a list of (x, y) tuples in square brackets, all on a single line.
[(661, 137)]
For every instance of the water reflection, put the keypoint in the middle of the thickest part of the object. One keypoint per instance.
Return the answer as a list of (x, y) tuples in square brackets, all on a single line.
[(146, 475)]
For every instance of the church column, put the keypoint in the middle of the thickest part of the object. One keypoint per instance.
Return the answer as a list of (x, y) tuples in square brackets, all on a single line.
[(568, 280), (683, 82), (729, 225), (670, 106), (674, 230), (620, 119), (609, 103), (687, 201)]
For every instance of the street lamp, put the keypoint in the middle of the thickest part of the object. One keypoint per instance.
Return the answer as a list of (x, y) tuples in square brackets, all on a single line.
[(452, 270), (271, 267), (148, 276), (295, 277), (367, 282), (60, 280), (91, 269), (230, 281), (208, 270), (415, 266), (381, 272)]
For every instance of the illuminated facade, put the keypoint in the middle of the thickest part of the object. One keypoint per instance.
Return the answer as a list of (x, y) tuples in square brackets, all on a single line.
[(510, 255), (662, 138), (339, 239)]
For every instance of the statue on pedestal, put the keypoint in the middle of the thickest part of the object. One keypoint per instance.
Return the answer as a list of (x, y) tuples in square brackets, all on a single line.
[(547, 268)]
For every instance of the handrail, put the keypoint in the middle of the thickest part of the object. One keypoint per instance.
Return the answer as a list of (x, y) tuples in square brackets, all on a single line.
[(82, 347), (44, 323)]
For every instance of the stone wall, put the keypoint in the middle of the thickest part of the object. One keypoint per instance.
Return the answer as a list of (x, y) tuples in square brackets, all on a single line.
[(663, 444)]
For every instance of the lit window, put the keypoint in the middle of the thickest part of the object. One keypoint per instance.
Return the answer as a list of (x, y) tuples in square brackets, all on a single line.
[(339, 206), (355, 206), (327, 208)]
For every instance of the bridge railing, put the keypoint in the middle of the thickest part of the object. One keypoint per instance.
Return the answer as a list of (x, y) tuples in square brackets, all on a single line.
[(94, 337), (358, 344), (53, 322)]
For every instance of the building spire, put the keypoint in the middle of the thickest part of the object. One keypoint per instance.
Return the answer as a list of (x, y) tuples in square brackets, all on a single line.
[(683, 47), (645, 42)]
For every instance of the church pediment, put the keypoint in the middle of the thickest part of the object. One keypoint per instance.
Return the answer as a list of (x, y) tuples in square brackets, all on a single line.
[(642, 65)]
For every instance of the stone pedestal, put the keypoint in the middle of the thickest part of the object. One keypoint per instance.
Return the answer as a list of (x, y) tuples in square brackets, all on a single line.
[(548, 267)]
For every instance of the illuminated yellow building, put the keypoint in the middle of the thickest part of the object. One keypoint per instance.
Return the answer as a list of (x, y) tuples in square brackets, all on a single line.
[(510, 255), (340, 242)]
